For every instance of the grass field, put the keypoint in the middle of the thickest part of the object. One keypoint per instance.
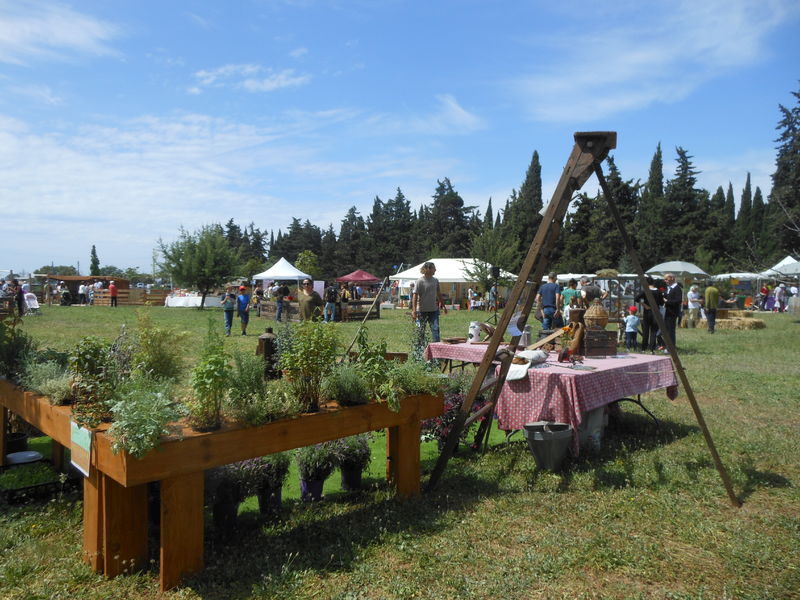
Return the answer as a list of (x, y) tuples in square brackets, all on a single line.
[(646, 517)]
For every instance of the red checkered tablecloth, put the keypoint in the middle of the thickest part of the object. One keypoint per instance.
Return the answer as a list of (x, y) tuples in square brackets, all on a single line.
[(557, 393)]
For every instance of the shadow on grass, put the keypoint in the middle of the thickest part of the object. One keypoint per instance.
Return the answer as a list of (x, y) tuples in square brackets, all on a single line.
[(755, 480), (271, 559)]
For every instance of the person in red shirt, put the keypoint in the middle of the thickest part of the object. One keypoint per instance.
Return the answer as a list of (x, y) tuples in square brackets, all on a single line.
[(112, 290)]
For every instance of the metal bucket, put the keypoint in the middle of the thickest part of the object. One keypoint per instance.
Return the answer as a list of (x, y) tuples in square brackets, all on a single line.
[(548, 442)]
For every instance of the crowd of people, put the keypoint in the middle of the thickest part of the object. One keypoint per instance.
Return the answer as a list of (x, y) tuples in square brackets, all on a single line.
[(25, 301)]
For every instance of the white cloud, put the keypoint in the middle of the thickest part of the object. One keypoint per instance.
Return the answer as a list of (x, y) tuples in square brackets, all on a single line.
[(31, 30), (41, 94), (660, 54), (298, 52), (248, 77), (449, 118)]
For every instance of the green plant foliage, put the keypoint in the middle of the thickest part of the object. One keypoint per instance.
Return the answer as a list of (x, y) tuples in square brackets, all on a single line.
[(346, 386), (48, 378), (353, 452), (94, 377), (266, 472), (370, 360), (142, 411), (310, 357), (250, 400), (209, 383), (15, 345), (315, 463), (155, 353), (408, 378), (22, 476)]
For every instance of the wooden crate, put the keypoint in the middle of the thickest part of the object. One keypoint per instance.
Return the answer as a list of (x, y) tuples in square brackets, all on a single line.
[(599, 342)]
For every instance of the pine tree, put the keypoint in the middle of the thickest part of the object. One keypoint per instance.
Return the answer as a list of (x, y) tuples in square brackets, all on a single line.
[(94, 262), (450, 221), (575, 236), (353, 244), (785, 195), (686, 207), (402, 229), (381, 251)]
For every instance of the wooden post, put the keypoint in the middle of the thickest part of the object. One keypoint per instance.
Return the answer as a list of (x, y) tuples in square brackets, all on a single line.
[(124, 531), (402, 457), (181, 527), (3, 429), (57, 456), (92, 521)]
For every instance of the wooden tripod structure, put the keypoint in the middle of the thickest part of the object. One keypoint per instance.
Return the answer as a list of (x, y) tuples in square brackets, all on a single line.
[(589, 151)]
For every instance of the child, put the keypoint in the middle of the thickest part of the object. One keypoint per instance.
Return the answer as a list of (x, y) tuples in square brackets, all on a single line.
[(631, 327)]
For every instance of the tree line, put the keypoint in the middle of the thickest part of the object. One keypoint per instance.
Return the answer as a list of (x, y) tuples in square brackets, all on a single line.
[(668, 216)]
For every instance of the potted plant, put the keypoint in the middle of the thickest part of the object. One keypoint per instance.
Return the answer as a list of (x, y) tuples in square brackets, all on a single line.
[(93, 379), (225, 488), (456, 388), (209, 383), (310, 356), (265, 477), (353, 455), (314, 464), (345, 385)]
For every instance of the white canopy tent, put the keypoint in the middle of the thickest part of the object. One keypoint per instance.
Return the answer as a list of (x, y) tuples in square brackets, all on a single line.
[(740, 276), (448, 270), (451, 273), (282, 270), (787, 266)]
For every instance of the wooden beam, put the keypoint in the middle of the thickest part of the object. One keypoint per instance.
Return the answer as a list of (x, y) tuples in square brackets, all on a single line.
[(403, 443), (93, 521), (3, 429), (670, 343), (124, 530), (181, 528)]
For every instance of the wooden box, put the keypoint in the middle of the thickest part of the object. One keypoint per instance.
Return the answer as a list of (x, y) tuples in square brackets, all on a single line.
[(599, 342)]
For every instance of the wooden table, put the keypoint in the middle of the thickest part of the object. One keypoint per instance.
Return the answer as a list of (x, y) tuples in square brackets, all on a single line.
[(115, 492), (559, 393)]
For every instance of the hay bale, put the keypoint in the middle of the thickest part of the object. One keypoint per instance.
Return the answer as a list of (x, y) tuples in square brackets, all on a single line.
[(740, 314), (741, 324)]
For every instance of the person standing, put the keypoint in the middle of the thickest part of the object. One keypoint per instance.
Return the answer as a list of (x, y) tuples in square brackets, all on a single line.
[(228, 306), (548, 299), (280, 291), (426, 301), (243, 307), (310, 302), (82, 293), (493, 298), (590, 292), (780, 297), (331, 298), (344, 301), (695, 301), (712, 300), (631, 327), (673, 300), (112, 291), (648, 319)]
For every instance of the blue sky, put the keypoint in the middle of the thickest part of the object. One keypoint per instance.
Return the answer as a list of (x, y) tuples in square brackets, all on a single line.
[(122, 121)]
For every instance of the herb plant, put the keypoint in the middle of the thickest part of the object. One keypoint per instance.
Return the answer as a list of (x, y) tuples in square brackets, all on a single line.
[(209, 383), (345, 385), (352, 452), (315, 463), (142, 412), (310, 357)]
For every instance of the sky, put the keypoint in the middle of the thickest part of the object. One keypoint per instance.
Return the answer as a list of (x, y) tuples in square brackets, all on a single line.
[(121, 122)]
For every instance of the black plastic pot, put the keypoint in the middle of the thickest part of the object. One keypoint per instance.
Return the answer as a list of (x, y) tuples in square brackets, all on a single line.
[(16, 442)]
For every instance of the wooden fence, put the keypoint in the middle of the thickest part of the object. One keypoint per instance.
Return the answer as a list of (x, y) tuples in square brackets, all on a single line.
[(133, 296)]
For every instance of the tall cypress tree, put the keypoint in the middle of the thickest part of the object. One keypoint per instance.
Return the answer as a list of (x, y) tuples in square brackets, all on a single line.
[(403, 229), (488, 220), (743, 228), (716, 240), (352, 246), (521, 216), (94, 262), (327, 256), (652, 219)]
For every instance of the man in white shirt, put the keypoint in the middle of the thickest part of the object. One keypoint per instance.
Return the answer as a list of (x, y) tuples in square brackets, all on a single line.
[(694, 300)]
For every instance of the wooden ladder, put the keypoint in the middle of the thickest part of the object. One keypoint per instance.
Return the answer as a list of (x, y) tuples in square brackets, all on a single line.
[(590, 150)]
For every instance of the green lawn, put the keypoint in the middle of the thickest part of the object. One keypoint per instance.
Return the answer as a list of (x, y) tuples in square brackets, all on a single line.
[(646, 517)]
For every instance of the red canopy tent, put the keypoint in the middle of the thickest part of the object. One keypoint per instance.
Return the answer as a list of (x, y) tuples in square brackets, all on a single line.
[(359, 276)]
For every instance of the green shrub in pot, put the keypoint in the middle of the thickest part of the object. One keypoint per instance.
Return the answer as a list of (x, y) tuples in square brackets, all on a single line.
[(309, 358), (345, 385)]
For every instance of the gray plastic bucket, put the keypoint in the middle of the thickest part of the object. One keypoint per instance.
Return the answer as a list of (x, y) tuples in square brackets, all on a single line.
[(548, 442)]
